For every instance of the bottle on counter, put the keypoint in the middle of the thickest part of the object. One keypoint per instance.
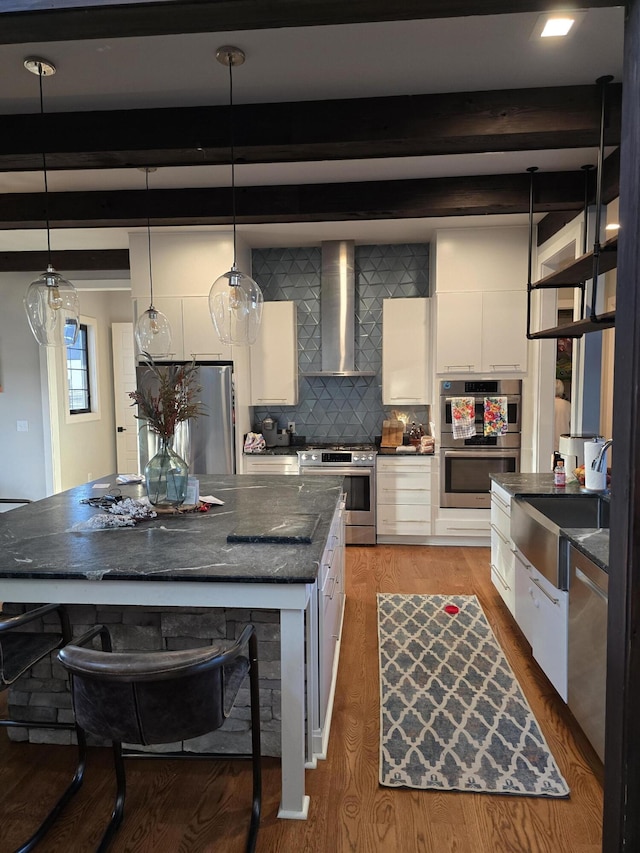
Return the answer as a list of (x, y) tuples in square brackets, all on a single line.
[(559, 474)]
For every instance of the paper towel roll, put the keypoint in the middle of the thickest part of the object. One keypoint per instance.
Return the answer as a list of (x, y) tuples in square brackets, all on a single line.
[(594, 481)]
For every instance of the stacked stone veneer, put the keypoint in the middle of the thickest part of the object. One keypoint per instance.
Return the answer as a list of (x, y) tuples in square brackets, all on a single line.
[(42, 695)]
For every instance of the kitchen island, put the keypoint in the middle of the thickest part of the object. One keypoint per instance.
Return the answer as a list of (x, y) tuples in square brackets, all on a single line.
[(183, 560)]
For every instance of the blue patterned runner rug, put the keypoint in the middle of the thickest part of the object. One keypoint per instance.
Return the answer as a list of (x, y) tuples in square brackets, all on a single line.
[(453, 716)]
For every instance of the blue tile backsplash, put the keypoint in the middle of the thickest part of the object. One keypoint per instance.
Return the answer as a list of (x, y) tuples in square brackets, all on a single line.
[(341, 409)]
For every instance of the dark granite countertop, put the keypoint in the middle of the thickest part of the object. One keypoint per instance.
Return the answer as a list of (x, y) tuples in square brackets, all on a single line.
[(592, 542), (36, 541), (404, 454)]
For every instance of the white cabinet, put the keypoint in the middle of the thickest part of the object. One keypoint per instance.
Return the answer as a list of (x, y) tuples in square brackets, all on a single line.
[(330, 613), (274, 357), (171, 307), (281, 464), (200, 337), (542, 613), (502, 555), (482, 332), (403, 489), (406, 367), (192, 332)]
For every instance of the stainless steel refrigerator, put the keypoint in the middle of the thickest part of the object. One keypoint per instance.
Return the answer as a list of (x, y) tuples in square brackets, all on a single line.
[(206, 443)]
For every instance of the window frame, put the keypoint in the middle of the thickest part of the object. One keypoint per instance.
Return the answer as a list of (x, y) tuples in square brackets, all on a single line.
[(93, 413)]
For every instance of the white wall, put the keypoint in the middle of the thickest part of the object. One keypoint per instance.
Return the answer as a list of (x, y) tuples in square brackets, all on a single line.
[(74, 450), (22, 470)]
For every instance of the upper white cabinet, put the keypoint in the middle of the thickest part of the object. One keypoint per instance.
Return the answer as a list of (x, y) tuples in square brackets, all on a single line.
[(274, 357), (192, 332), (200, 338), (406, 373), (482, 332)]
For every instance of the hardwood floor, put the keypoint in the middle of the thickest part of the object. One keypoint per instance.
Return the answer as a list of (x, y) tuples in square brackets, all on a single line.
[(194, 806)]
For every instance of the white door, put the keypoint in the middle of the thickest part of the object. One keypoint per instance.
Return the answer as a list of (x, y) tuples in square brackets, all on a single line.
[(124, 380)]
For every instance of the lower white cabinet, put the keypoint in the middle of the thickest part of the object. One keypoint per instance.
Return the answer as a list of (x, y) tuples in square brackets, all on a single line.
[(542, 613), (330, 610), (285, 464), (403, 490), (502, 556)]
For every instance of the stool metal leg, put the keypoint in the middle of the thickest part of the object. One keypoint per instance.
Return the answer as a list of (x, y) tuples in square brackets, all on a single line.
[(118, 809)]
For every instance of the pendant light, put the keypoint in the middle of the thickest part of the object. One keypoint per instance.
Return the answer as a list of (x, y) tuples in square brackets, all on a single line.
[(235, 299), (51, 302), (153, 332)]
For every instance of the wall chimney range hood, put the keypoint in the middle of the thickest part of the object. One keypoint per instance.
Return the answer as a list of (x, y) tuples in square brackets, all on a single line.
[(338, 311)]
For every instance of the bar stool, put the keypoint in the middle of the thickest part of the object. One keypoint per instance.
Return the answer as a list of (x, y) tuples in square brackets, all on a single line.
[(19, 652), (161, 697)]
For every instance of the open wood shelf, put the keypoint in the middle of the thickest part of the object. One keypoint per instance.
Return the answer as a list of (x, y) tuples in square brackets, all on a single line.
[(575, 272), (578, 328)]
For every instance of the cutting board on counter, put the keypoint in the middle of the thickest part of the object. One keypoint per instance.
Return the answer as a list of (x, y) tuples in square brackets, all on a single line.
[(392, 432), (293, 529)]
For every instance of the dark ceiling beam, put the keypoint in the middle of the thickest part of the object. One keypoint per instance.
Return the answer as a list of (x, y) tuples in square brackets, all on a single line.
[(484, 194), (66, 259), (414, 125), (23, 21), (553, 222)]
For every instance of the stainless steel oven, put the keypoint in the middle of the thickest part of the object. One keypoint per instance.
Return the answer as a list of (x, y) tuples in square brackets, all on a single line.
[(358, 468), (465, 463)]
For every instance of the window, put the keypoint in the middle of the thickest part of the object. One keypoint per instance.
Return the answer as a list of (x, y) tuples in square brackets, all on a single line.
[(78, 374)]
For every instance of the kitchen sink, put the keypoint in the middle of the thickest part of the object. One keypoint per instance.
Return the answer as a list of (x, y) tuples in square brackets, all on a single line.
[(572, 510), (537, 522)]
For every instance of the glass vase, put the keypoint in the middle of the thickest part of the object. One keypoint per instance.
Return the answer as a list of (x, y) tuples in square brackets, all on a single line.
[(166, 476)]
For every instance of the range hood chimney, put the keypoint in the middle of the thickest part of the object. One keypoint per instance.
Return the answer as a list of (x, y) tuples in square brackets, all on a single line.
[(338, 311)]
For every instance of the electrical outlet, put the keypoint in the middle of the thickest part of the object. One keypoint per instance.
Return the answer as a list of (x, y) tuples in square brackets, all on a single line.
[(291, 426)]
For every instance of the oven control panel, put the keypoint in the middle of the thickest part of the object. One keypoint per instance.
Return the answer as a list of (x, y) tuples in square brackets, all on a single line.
[(328, 458)]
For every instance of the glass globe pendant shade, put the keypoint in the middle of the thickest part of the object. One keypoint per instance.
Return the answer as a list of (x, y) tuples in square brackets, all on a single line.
[(153, 333), (51, 303), (235, 303)]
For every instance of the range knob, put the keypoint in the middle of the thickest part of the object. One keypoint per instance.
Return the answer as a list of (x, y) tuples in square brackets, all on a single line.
[(355, 457), (371, 457), (303, 456), (314, 457)]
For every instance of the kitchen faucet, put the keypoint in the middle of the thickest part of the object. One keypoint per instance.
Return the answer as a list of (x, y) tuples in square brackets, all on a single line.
[(598, 462)]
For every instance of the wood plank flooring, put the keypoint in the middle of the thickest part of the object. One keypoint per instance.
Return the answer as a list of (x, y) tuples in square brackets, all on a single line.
[(197, 806)]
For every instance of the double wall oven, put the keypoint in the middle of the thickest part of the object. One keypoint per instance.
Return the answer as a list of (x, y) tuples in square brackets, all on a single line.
[(465, 463), (356, 464)]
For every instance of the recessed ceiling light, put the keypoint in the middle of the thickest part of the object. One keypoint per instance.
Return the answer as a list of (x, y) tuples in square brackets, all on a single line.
[(612, 226), (556, 25)]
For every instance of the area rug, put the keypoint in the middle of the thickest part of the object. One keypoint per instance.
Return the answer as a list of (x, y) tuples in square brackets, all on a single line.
[(453, 716)]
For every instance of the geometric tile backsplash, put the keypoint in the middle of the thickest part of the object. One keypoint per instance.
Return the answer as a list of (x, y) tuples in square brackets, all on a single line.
[(341, 408)]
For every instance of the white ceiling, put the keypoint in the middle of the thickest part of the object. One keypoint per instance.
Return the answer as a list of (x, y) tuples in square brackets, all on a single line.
[(348, 61)]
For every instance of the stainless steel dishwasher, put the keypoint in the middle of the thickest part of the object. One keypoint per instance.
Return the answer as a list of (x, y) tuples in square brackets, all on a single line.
[(588, 604)]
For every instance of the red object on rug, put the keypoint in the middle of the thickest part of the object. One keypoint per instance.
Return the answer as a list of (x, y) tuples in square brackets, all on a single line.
[(452, 609)]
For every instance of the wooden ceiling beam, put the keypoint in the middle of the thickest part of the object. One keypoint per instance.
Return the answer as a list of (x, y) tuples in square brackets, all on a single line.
[(484, 194), (66, 259), (415, 125), (23, 21)]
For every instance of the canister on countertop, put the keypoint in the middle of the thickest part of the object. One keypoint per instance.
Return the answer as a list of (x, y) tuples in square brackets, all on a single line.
[(594, 481)]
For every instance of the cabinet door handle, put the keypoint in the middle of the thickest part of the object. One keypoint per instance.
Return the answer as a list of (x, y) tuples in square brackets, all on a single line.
[(500, 578), (495, 496), (482, 529), (458, 367), (514, 366), (272, 399), (516, 554), (413, 399), (499, 533), (544, 591), (329, 595)]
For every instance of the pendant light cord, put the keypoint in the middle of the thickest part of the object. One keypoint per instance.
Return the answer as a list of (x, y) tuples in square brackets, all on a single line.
[(146, 176), (44, 170), (233, 159)]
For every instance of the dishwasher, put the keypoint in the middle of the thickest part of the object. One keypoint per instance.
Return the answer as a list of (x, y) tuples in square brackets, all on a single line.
[(587, 660)]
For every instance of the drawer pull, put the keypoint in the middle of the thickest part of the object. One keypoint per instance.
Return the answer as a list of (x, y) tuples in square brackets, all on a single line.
[(482, 529), (544, 592), (329, 595), (499, 533), (496, 497), (516, 554), (500, 578)]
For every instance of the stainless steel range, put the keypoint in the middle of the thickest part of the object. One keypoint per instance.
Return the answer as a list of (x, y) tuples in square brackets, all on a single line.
[(357, 464)]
